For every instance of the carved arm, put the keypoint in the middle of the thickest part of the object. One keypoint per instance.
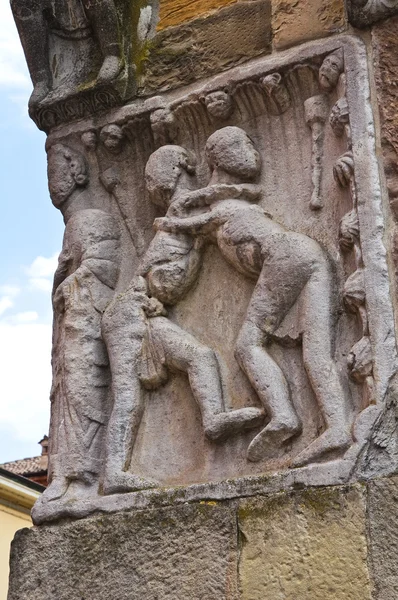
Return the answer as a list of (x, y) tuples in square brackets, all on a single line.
[(199, 224), (64, 290), (64, 262), (213, 193)]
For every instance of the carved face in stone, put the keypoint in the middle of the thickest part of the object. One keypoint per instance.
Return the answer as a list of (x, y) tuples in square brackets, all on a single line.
[(231, 150), (89, 139), (163, 170), (112, 137), (67, 169), (219, 104), (330, 70)]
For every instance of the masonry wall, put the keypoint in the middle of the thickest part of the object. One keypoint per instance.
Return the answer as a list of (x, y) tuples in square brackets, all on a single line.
[(338, 542)]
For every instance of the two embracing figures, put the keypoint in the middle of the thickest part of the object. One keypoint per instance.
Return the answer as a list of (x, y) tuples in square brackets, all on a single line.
[(143, 346)]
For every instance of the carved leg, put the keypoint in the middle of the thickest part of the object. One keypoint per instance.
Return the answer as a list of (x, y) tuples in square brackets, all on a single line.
[(33, 31), (103, 18), (58, 484), (124, 348), (271, 386), (321, 371), (184, 353)]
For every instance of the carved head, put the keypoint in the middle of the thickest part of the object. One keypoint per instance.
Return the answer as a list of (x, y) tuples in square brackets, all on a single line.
[(331, 69), (231, 150), (67, 170), (219, 104), (112, 137), (89, 139), (163, 170)]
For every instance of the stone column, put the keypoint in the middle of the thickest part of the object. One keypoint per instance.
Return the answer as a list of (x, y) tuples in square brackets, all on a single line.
[(224, 399)]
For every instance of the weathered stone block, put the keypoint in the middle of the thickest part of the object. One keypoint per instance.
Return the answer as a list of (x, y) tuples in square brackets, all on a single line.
[(173, 554), (383, 533), (175, 12), (311, 544), (180, 55), (294, 21)]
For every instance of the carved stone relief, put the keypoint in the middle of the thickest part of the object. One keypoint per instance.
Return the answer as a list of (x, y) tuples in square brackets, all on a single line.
[(245, 325), (84, 284), (80, 55), (363, 13)]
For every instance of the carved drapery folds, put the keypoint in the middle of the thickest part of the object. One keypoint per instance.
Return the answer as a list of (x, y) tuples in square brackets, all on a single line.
[(240, 332)]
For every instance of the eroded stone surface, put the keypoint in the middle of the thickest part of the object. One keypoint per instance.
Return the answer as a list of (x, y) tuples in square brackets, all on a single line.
[(176, 12), (184, 552), (383, 534), (311, 544), (385, 46), (180, 55), (296, 545), (294, 22), (385, 53)]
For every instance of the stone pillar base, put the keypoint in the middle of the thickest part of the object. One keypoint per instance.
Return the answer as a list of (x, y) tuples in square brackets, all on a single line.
[(334, 543)]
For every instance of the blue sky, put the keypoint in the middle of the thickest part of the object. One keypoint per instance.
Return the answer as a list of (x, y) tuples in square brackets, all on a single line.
[(31, 236)]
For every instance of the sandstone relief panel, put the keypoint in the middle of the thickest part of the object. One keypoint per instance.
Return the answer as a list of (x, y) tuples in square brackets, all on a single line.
[(221, 303)]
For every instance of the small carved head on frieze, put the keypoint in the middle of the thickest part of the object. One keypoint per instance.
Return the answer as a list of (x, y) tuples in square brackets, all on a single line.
[(219, 104), (89, 139), (67, 170), (163, 125), (165, 169), (331, 69), (276, 91), (112, 136), (232, 151)]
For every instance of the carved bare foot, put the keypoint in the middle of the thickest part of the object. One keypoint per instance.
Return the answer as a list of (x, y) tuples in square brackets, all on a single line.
[(330, 441), (225, 424), (40, 91), (57, 488), (272, 436), (119, 483), (110, 69)]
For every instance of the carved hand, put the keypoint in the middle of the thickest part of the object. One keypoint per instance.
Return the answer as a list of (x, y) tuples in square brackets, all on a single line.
[(154, 308), (164, 224), (192, 199), (64, 292)]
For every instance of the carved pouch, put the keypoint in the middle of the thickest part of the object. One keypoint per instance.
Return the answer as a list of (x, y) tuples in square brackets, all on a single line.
[(152, 370)]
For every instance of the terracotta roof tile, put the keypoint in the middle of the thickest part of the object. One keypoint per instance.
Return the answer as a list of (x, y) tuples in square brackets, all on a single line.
[(26, 466)]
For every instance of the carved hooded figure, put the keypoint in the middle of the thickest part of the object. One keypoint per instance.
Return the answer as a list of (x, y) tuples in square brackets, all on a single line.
[(84, 284)]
